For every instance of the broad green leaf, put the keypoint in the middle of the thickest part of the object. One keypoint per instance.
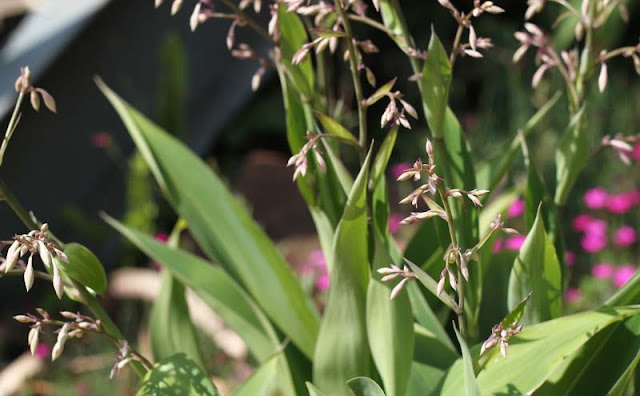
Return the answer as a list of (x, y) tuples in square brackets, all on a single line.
[(266, 379), (430, 350), (430, 283), (571, 157), (425, 317), (293, 36), (222, 227), (470, 384), (382, 158), (535, 195), (535, 353), (313, 391), (436, 80), (216, 288), (84, 267), (342, 350), (536, 270), (334, 128), (424, 379), (491, 172), (170, 326), (395, 23), (177, 376), (496, 287), (516, 313), (600, 364), (628, 295), (364, 386), (389, 327)]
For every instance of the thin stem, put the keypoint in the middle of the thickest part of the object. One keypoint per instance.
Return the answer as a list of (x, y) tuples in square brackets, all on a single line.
[(575, 98), (454, 243), (374, 24), (341, 140), (250, 22), (37, 274), (355, 75), (456, 44), (12, 126)]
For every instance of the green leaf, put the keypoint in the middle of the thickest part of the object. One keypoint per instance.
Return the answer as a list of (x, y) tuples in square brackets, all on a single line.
[(470, 384), (424, 379), (431, 350), (425, 317), (536, 194), (430, 283), (394, 22), (571, 157), (491, 172), (515, 314), (216, 288), (601, 364), (170, 326), (84, 267), (177, 376), (222, 227), (380, 92), (364, 386), (629, 294), (342, 350), (535, 353), (266, 379), (537, 270), (436, 80), (382, 158), (293, 36), (313, 391), (389, 327), (333, 127)]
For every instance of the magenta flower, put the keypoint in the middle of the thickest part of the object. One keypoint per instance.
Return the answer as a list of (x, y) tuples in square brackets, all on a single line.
[(593, 243), (399, 168), (625, 236), (161, 236), (620, 203), (394, 222), (322, 283), (634, 196), (572, 295), (516, 209), (514, 242), (602, 271), (43, 351), (316, 259), (581, 222), (101, 140), (623, 274), (596, 198), (570, 258), (596, 226)]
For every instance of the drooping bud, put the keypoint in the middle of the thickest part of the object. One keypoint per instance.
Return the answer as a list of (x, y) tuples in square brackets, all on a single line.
[(194, 20), (28, 273), (32, 338), (62, 339), (58, 283), (35, 100), (12, 256), (175, 7), (603, 77), (45, 255)]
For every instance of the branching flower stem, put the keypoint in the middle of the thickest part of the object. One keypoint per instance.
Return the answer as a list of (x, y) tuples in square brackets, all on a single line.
[(355, 75), (250, 22)]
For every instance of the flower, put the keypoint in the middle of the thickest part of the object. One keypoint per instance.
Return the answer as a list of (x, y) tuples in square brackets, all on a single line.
[(394, 222), (572, 295), (581, 222), (570, 258), (322, 283), (620, 203), (596, 226), (623, 274), (596, 198), (42, 351), (514, 242), (516, 209), (602, 271), (625, 236), (399, 168), (593, 242)]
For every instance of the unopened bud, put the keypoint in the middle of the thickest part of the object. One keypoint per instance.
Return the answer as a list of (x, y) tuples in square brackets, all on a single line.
[(28, 274), (175, 7), (194, 21), (58, 283), (45, 255), (23, 319), (35, 100)]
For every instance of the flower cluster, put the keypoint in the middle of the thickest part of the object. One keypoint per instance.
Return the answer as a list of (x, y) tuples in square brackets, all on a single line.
[(77, 325), (300, 161), (392, 272), (23, 85), (36, 242), (500, 335)]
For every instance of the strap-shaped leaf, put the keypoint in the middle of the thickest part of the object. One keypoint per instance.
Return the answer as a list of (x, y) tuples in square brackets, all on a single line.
[(342, 351), (293, 36), (266, 380), (177, 376), (470, 384), (222, 227), (436, 80), (571, 156), (364, 386)]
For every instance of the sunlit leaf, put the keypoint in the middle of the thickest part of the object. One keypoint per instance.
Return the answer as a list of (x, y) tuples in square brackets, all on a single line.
[(84, 267), (363, 386), (177, 376)]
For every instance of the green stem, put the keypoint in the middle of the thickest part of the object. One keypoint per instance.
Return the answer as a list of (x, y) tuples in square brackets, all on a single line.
[(12, 126)]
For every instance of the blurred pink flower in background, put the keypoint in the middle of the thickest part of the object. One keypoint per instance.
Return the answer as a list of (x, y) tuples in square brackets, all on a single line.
[(593, 242), (636, 152), (572, 295), (596, 198), (596, 226), (623, 274), (514, 242), (397, 169), (625, 236), (161, 236), (43, 351), (316, 258), (101, 140), (498, 245), (318, 262), (516, 209), (394, 222), (322, 283), (570, 258), (620, 203), (602, 271), (581, 222), (634, 196)]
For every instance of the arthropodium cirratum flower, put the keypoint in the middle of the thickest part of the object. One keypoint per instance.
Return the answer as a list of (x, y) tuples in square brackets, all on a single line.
[(500, 335), (392, 272)]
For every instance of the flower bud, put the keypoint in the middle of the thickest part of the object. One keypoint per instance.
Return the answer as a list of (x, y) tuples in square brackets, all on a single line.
[(58, 283), (32, 338), (28, 274), (62, 339), (23, 319), (45, 255), (175, 7), (12, 256)]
